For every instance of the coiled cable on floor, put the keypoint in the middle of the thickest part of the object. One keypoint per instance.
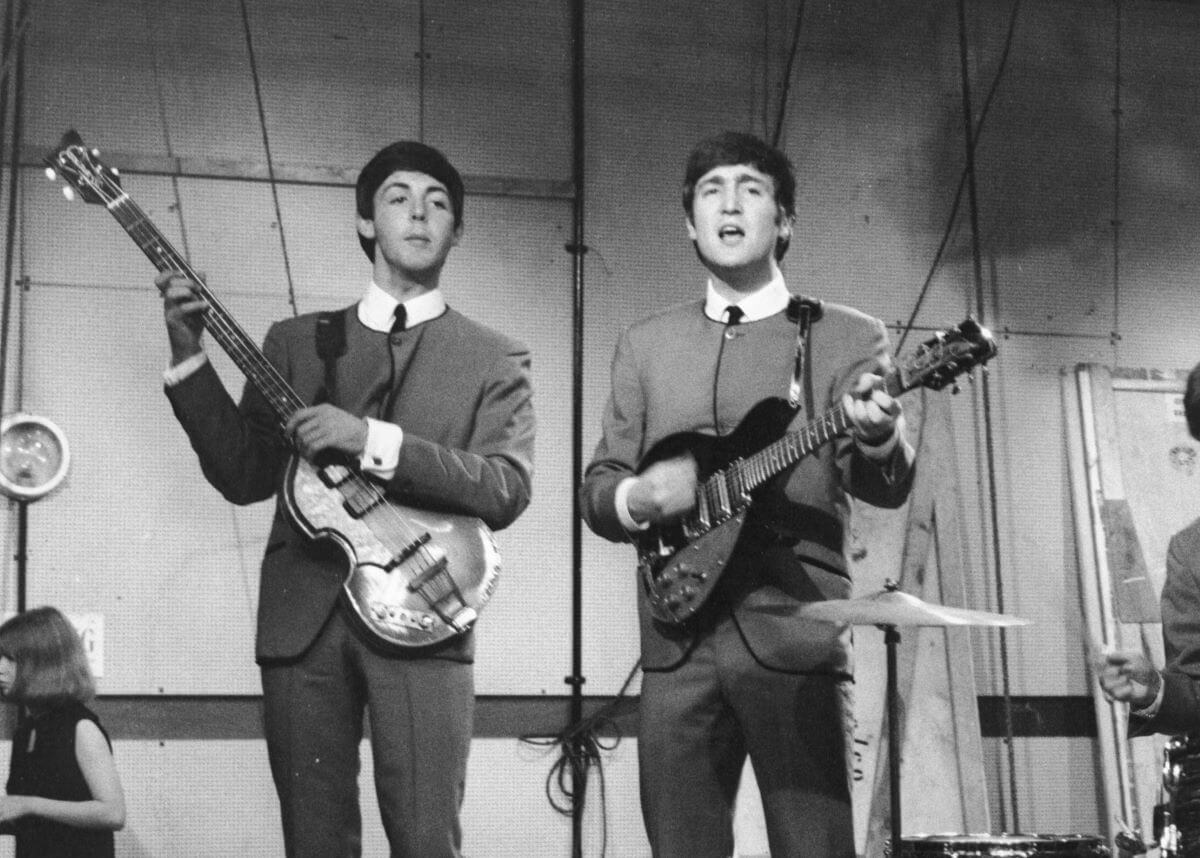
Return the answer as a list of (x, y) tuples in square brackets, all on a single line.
[(581, 747)]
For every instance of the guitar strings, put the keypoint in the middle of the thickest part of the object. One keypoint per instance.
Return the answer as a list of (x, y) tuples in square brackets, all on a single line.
[(747, 474)]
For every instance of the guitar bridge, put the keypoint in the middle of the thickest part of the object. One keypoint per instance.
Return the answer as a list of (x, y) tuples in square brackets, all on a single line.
[(408, 551)]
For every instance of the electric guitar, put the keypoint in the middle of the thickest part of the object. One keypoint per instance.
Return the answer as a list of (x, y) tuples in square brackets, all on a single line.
[(414, 578), (680, 563)]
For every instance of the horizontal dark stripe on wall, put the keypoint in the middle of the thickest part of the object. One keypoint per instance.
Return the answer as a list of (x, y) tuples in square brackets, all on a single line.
[(158, 717), (1038, 716)]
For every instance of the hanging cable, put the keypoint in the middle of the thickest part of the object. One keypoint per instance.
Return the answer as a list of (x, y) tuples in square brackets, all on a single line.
[(14, 59), (166, 128), (11, 37), (262, 121), (14, 46), (421, 58), (6, 309), (973, 131), (952, 220), (787, 75), (1116, 205), (969, 143)]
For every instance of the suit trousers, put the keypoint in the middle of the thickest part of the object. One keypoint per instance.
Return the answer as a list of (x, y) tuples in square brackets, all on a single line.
[(698, 723), (421, 715)]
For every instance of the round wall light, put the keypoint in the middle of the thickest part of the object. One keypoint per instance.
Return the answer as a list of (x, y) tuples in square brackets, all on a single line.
[(33, 456)]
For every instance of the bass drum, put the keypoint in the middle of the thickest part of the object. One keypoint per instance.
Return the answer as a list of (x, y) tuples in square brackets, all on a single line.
[(1003, 846)]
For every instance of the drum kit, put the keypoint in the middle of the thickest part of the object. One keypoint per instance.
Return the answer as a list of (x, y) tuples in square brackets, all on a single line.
[(1177, 817), (890, 610)]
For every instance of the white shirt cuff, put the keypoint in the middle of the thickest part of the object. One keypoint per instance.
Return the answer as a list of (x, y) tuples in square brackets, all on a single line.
[(878, 452), (621, 501), (381, 454), (1151, 708), (175, 374), (882, 452)]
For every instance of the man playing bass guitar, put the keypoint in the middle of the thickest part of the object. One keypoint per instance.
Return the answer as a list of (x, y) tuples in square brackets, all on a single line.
[(435, 409), (737, 672)]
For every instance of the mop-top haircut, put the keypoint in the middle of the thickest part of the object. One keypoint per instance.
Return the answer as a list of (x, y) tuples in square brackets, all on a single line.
[(735, 147), (404, 155)]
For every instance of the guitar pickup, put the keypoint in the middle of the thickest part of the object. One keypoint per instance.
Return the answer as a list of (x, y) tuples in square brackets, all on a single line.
[(334, 475), (361, 498), (407, 551)]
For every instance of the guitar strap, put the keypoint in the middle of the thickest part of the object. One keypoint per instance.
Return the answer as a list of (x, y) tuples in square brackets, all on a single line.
[(331, 345), (802, 311)]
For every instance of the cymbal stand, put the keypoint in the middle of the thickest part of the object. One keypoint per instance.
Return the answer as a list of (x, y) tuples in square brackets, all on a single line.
[(891, 638)]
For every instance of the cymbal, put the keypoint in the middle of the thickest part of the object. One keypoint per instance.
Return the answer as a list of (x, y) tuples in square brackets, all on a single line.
[(893, 608)]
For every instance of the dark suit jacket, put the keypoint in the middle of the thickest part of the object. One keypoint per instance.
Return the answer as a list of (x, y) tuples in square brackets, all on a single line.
[(663, 383), (460, 392), (1180, 709)]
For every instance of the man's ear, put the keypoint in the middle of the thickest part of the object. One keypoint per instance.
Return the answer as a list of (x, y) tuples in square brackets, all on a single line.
[(691, 227), (366, 228)]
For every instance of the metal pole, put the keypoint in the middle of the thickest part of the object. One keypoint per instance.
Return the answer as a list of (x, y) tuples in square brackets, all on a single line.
[(577, 249), (891, 638)]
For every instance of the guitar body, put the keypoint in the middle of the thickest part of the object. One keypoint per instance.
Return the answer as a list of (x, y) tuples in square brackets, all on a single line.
[(414, 578), (681, 563)]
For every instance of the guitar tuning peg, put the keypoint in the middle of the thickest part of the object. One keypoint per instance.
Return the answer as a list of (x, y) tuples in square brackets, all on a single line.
[(69, 193), (51, 174)]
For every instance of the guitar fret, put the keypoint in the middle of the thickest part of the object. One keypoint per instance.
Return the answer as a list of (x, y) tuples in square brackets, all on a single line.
[(228, 334), (701, 516)]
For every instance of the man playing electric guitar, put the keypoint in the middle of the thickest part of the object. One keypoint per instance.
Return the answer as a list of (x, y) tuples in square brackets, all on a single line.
[(743, 674), (436, 409)]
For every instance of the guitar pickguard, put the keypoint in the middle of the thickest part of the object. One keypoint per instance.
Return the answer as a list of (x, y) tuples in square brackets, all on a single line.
[(678, 576)]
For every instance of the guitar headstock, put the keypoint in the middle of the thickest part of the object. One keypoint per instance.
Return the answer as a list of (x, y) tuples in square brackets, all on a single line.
[(948, 354), (82, 169)]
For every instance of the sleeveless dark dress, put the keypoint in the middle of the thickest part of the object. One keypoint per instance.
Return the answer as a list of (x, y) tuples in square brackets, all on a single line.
[(44, 764)]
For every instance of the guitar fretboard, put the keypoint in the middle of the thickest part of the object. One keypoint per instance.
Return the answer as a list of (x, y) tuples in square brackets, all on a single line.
[(728, 490), (218, 322)]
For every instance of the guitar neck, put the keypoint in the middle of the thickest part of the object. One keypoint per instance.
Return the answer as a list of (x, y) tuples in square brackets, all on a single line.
[(220, 325), (748, 473)]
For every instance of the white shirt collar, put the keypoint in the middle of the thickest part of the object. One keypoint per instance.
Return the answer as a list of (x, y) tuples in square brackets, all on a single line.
[(377, 308), (763, 302)]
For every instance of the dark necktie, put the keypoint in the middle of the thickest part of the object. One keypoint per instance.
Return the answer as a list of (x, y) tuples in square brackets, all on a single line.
[(734, 314), (400, 319)]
